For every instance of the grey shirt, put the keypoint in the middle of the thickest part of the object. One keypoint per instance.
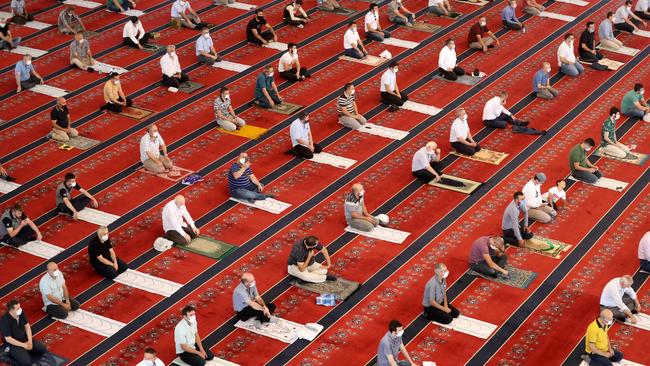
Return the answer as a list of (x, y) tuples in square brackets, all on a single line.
[(352, 204), (81, 50), (434, 291), (242, 295), (511, 218), (389, 345)]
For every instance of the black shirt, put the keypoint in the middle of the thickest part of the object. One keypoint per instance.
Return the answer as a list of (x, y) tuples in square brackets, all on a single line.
[(65, 192), (254, 24), (4, 30), (60, 116), (586, 38), (299, 253), (97, 248), (9, 327)]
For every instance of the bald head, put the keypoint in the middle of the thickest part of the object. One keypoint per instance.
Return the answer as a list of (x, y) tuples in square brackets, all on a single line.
[(60, 101), (102, 231), (357, 188), (460, 113), (626, 281), (179, 200), (152, 130), (431, 145), (247, 279), (606, 317)]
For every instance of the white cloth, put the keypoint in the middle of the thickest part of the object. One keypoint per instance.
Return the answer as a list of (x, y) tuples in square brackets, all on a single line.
[(51, 286), (372, 19), (389, 77), (493, 109), (554, 194), (447, 58), (94, 323), (289, 59), (621, 14), (644, 247), (157, 362), (612, 295), (642, 5), (170, 65), (152, 146), (565, 51), (422, 158), (184, 333), (299, 131), (351, 39), (459, 130), (435, 2), (131, 30), (532, 194), (173, 218)]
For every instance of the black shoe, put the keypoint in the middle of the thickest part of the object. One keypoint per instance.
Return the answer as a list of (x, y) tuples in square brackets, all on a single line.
[(90, 69), (521, 123), (490, 46), (330, 278)]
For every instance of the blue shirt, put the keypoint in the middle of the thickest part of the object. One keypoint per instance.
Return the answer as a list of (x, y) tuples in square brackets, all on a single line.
[(203, 44), (263, 82), (178, 8), (605, 30), (541, 77), (241, 182), (24, 70), (508, 14)]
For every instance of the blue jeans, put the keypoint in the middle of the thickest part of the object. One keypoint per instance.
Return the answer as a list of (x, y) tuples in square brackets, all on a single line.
[(353, 52), (400, 20), (572, 70), (249, 193), (634, 112), (645, 265), (377, 37), (125, 4), (3, 44), (598, 360)]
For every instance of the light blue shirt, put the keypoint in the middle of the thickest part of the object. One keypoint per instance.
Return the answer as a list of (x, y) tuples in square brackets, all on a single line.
[(508, 14), (242, 295), (541, 77), (51, 286), (203, 44), (178, 9), (605, 30), (24, 70)]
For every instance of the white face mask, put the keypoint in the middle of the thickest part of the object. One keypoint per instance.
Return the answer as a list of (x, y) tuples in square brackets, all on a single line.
[(104, 238), (641, 92), (617, 116), (514, 6), (183, 3), (172, 54), (192, 319), (56, 273), (155, 135), (493, 247), (587, 149), (251, 284), (73, 183), (19, 312), (395, 70), (352, 92), (242, 161), (81, 41), (116, 82), (547, 70), (294, 51), (482, 24), (400, 333), (361, 193), (444, 274), (464, 118), (206, 35), (609, 323), (28, 62), (226, 97), (270, 74)]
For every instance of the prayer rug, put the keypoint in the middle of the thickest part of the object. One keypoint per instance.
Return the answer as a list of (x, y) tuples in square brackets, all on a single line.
[(421, 108), (147, 282), (382, 233), (282, 330), (49, 90), (424, 27), (231, 66), (6, 187), (400, 43), (452, 15), (37, 25), (611, 64), (214, 362), (574, 2), (38, 248), (79, 142), (468, 187), (382, 131), (632, 157), (518, 278), (133, 13), (247, 131), (548, 247), (643, 321), (175, 175), (153, 48), (135, 112), (340, 11), (608, 183), (83, 3), (269, 205), (465, 79), (485, 156), (473, 327), (208, 247), (562, 17), (92, 322), (286, 108), (642, 33), (280, 46), (104, 68), (190, 87), (369, 60), (22, 50), (342, 288), (333, 160), (96, 217), (623, 50), (47, 359), (241, 6), (477, 3)]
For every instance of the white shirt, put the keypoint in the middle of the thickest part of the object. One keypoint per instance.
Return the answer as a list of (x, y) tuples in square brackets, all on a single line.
[(566, 52), (130, 30), (178, 8), (554, 194), (173, 218), (351, 39), (51, 286), (372, 19), (532, 194), (621, 14), (493, 109), (389, 77), (298, 131), (459, 130), (152, 146), (644, 247), (170, 65), (289, 59), (447, 58), (157, 362), (422, 159), (435, 2), (184, 333), (642, 5), (612, 295)]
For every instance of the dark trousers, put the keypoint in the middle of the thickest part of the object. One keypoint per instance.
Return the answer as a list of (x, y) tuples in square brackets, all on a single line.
[(624, 27), (453, 74), (117, 108), (511, 26), (174, 81), (196, 360), (267, 35), (391, 99), (264, 103), (587, 177), (302, 151), (79, 203), (483, 268), (59, 312), (645, 265), (510, 238), (248, 312), (502, 121), (426, 175), (291, 74), (461, 148), (143, 41), (23, 357), (125, 4), (297, 22), (208, 60), (598, 360), (179, 239), (30, 83), (642, 15), (21, 19), (25, 235), (588, 56), (109, 272), (436, 315), (354, 52)]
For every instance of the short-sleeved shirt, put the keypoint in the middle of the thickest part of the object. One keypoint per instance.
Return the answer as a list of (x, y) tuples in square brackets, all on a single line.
[(9, 221), (184, 333), (79, 49), (203, 44), (178, 8), (621, 14), (254, 24), (10, 327), (541, 78), (287, 58), (642, 6), (24, 70), (352, 204), (597, 334), (263, 82), (151, 146), (345, 102), (631, 97), (222, 105), (371, 18), (459, 130), (577, 155), (63, 191), (609, 130), (242, 295), (19, 5), (389, 345), (434, 291), (349, 38), (243, 181), (60, 116), (554, 194), (299, 130), (393, 7), (480, 247), (388, 78), (565, 51), (605, 30), (51, 286), (587, 38), (97, 248), (299, 253), (476, 30), (422, 159), (4, 29)]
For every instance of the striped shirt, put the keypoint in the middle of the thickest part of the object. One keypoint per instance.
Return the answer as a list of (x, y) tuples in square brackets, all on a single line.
[(346, 102), (241, 182)]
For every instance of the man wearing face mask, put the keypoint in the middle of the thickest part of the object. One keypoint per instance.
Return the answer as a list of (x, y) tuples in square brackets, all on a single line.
[(189, 346), (295, 15), (120, 5), (172, 74), (205, 51), (16, 229), (487, 256), (301, 263), (542, 83), (436, 307), (266, 92), (102, 255), (26, 75), (581, 168), (17, 334), (391, 345), (400, 14), (606, 33), (352, 45), (247, 302), (114, 96), (225, 113), (355, 211), (56, 299), (67, 205), (80, 55), (566, 58), (133, 34), (532, 7), (634, 104), (183, 14), (61, 125), (254, 32), (619, 297), (439, 7), (587, 49), (509, 18), (178, 225), (372, 28), (598, 349), (496, 115), (7, 40), (150, 358), (513, 233), (608, 141), (538, 210), (625, 20), (19, 11), (151, 145), (290, 67), (346, 108), (389, 90), (302, 139), (480, 37), (426, 163), (447, 65), (460, 137), (243, 184)]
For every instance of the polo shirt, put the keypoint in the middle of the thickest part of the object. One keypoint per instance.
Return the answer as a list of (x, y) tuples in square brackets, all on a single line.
[(541, 78), (203, 44), (157, 362), (422, 159), (631, 97), (644, 247), (299, 253), (389, 345), (178, 8), (352, 204), (508, 14), (63, 191), (299, 131), (242, 182), (184, 333), (621, 14), (263, 82), (24, 70), (586, 38), (96, 248), (597, 334), (459, 130), (61, 116), (609, 130), (254, 24), (242, 295), (351, 39), (577, 155), (345, 102), (434, 290), (151, 146), (605, 30), (565, 51), (9, 221), (371, 18), (447, 58), (480, 247), (388, 77), (10, 327), (51, 286), (134, 32), (476, 30), (287, 58), (222, 105)]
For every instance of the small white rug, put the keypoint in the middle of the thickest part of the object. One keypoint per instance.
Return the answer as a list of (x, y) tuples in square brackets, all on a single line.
[(642, 33), (214, 362), (574, 2), (37, 25), (562, 17), (400, 43), (93, 323), (478, 3), (382, 131), (96, 217), (38, 248), (382, 233), (83, 3), (643, 321), (421, 108), (133, 13), (242, 6), (104, 68), (270, 205), (623, 362), (473, 327), (232, 66), (147, 282), (333, 160), (629, 51), (52, 91), (608, 183), (22, 50), (6, 187), (282, 330), (277, 46)]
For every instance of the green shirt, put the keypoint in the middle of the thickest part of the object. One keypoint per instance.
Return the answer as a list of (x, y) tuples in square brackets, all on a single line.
[(577, 155), (629, 99), (609, 130)]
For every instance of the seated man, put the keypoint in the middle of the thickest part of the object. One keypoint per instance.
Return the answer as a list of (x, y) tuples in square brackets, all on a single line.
[(556, 194), (243, 184), (205, 52), (508, 17), (496, 115), (513, 233), (26, 75), (352, 45), (19, 11), (102, 255), (426, 163), (183, 14), (80, 55), (373, 29), (150, 358), (439, 7), (177, 223), (254, 32), (301, 264), (390, 346), (399, 14), (4, 175), (133, 34), (302, 141), (460, 137), (329, 5), (290, 67), (346, 108), (625, 20), (247, 302), (295, 15), (608, 141), (16, 229), (356, 214), (120, 5), (644, 252), (389, 90), (480, 37), (532, 7), (566, 59), (634, 104), (7, 40), (447, 63), (587, 49), (538, 210), (114, 95), (56, 298), (69, 22), (189, 346), (67, 205), (61, 125), (488, 256), (436, 306), (21, 347), (642, 9), (606, 33), (619, 297), (172, 74), (266, 92), (542, 83), (581, 168), (151, 144), (598, 349), (225, 113)]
